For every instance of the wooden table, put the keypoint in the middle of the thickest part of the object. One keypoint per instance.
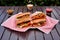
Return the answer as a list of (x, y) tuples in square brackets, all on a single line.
[(32, 34)]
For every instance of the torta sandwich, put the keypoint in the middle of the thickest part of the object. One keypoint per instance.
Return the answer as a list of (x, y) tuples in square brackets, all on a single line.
[(23, 20), (38, 18)]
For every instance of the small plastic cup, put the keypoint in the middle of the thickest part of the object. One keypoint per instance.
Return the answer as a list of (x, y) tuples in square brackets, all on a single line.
[(48, 11), (10, 11), (30, 6)]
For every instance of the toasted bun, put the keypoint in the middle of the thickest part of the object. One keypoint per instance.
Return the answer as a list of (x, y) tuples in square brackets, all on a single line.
[(22, 14), (39, 20), (38, 15), (37, 12), (22, 17), (18, 21)]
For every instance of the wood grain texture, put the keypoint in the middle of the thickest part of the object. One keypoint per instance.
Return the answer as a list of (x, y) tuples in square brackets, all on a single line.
[(3, 17), (31, 34)]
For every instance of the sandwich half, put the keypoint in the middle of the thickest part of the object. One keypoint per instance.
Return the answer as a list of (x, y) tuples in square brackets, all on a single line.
[(38, 19), (23, 20)]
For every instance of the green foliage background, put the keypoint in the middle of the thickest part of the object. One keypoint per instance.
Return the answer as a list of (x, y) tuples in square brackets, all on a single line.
[(24, 2)]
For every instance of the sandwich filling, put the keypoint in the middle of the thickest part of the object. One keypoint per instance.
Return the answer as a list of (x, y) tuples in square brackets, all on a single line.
[(23, 24)]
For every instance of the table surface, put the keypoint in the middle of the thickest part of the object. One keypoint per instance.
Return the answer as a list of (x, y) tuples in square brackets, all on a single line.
[(32, 34)]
